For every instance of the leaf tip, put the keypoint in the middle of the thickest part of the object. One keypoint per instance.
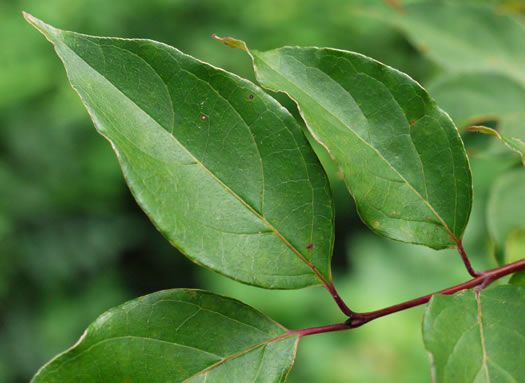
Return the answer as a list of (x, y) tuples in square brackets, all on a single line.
[(32, 19), (231, 42), (44, 28)]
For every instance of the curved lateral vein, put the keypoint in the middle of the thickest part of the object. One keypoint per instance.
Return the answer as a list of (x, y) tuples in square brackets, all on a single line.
[(148, 339), (240, 353), (199, 163), (445, 226)]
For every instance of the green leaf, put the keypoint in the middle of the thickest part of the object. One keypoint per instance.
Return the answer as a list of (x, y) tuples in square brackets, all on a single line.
[(518, 279), (175, 336), (463, 37), (401, 155), (505, 209), (477, 338), (515, 144), (222, 170), (483, 49)]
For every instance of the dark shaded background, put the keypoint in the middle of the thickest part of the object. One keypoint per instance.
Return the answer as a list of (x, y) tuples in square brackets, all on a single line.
[(73, 242)]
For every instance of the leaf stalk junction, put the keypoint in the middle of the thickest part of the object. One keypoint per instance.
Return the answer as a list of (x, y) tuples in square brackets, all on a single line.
[(356, 319)]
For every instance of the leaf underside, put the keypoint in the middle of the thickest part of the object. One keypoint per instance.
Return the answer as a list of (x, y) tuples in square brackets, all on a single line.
[(474, 339), (221, 169), (401, 155), (177, 336)]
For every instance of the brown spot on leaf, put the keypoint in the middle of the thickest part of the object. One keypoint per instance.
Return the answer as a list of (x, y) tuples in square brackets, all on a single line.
[(376, 223), (413, 122), (310, 246)]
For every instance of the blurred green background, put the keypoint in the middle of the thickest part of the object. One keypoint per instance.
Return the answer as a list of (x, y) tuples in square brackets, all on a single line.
[(73, 242)]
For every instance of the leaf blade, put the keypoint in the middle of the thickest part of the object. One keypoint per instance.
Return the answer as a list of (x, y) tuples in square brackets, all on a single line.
[(337, 92), (189, 334), (253, 221), (472, 336)]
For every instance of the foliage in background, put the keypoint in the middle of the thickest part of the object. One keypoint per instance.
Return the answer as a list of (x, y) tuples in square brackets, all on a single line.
[(70, 232)]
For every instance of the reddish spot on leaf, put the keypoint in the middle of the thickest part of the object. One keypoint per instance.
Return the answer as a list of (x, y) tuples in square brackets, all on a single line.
[(203, 117), (251, 96), (376, 223), (413, 122), (310, 246)]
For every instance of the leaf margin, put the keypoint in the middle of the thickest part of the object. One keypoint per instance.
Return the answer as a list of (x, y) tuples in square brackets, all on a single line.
[(242, 45), (105, 316), (320, 278)]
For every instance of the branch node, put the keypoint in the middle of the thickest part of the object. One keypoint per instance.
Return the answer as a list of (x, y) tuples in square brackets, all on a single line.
[(485, 283)]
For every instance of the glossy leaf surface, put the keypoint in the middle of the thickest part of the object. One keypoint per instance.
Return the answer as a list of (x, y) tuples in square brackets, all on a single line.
[(401, 155), (506, 210), (222, 170), (177, 336), (477, 338)]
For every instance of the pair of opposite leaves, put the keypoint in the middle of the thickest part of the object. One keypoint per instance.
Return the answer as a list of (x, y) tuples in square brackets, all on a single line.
[(226, 174)]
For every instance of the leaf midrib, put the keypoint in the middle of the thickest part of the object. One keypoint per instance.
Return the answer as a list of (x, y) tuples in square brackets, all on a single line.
[(239, 354), (445, 226), (199, 163), (484, 362), (222, 360)]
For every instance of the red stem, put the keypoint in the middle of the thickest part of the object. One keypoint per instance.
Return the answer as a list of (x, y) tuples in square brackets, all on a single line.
[(349, 313), (359, 319), (319, 330), (466, 261), (342, 305), (485, 279), (333, 292)]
